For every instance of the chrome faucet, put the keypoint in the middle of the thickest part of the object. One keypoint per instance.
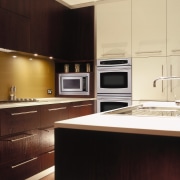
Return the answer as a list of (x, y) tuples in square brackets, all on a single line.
[(164, 78)]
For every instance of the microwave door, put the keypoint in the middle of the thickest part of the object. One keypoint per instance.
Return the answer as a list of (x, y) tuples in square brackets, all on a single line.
[(72, 84)]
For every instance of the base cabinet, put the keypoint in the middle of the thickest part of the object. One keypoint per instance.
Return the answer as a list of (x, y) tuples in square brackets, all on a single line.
[(27, 136)]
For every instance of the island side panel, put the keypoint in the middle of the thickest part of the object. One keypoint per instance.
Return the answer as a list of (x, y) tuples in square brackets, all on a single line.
[(96, 155)]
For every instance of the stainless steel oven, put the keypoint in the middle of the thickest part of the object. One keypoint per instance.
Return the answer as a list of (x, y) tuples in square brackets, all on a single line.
[(114, 84), (114, 76), (106, 103)]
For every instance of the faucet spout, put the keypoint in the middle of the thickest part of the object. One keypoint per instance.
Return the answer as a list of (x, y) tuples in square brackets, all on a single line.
[(165, 78)]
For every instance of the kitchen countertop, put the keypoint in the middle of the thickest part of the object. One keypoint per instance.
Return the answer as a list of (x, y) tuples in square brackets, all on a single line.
[(161, 125), (42, 101)]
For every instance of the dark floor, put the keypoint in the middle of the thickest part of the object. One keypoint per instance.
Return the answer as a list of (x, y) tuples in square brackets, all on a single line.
[(48, 177)]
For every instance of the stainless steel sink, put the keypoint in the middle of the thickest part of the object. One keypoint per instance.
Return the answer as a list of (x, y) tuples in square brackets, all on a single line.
[(147, 111)]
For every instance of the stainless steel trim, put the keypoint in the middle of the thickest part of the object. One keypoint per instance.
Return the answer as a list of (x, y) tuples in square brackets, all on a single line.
[(21, 113), (56, 109), (20, 164), (83, 105), (51, 152)]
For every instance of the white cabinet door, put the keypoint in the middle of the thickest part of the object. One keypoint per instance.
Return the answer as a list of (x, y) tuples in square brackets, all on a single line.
[(144, 72), (113, 26), (173, 65), (148, 28), (173, 27)]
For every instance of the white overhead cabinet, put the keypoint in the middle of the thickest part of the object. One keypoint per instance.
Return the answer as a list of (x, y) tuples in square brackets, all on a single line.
[(173, 27), (145, 71), (148, 28), (113, 26)]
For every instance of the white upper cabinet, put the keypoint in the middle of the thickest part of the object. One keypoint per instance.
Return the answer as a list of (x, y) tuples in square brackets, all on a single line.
[(113, 29), (148, 28), (144, 72), (173, 27)]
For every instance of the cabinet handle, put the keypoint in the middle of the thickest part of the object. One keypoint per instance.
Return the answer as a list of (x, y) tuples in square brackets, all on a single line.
[(162, 76), (21, 113), (18, 139), (175, 50), (83, 105), (25, 162), (56, 109), (112, 54), (171, 75), (50, 152), (151, 52)]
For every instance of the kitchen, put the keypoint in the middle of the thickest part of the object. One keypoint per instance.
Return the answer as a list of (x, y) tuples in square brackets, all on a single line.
[(157, 53)]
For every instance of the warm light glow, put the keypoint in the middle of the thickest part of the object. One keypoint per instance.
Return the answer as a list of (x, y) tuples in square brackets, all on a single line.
[(30, 59), (14, 56), (35, 54), (50, 57)]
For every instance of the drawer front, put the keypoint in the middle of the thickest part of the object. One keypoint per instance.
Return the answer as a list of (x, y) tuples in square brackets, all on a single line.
[(52, 113), (19, 146), (47, 160), (20, 170), (14, 120), (46, 139)]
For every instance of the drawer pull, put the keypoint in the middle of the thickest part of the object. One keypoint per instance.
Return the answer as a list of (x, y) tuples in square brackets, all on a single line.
[(20, 164), (175, 50), (83, 105), (21, 113), (145, 52), (21, 138), (50, 152), (56, 109)]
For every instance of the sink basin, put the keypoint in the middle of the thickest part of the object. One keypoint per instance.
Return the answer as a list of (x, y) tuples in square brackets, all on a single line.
[(149, 109)]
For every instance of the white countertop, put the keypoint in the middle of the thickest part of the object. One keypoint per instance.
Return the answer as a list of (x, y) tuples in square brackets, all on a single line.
[(161, 125), (42, 101)]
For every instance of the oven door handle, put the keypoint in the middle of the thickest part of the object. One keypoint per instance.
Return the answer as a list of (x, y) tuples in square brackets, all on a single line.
[(114, 69)]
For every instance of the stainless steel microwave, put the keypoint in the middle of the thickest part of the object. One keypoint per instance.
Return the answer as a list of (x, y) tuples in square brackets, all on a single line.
[(74, 84)]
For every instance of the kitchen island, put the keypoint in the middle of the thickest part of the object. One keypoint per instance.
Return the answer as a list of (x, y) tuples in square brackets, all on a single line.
[(117, 147)]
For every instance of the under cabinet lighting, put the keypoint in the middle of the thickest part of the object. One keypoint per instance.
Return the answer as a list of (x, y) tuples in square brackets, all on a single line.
[(50, 57), (14, 56), (35, 54)]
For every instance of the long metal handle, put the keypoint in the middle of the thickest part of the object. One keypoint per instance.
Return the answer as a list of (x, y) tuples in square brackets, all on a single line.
[(113, 54), (50, 152), (25, 162), (175, 50), (146, 52), (162, 76), (56, 109), (83, 105), (18, 139), (21, 113), (171, 75), (120, 69)]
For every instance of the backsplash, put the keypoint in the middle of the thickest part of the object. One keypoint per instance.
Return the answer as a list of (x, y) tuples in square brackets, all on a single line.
[(32, 78)]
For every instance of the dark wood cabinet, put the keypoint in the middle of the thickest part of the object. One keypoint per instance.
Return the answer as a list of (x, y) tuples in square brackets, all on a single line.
[(15, 31), (27, 136), (81, 108), (20, 7), (79, 35), (47, 28)]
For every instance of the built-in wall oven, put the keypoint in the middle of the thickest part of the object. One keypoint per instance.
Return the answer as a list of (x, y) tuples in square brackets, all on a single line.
[(114, 83)]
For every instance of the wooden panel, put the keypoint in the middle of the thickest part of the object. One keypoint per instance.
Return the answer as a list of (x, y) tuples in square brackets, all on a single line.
[(81, 109), (79, 35), (14, 120), (21, 7), (19, 146), (15, 31), (52, 113), (47, 160), (105, 155)]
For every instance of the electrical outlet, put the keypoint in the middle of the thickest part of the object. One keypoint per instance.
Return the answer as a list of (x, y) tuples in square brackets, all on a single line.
[(49, 91)]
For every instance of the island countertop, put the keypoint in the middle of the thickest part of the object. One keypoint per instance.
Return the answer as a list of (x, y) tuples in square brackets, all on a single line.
[(161, 125)]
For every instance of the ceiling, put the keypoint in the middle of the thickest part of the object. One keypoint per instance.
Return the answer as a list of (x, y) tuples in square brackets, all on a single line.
[(78, 3)]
